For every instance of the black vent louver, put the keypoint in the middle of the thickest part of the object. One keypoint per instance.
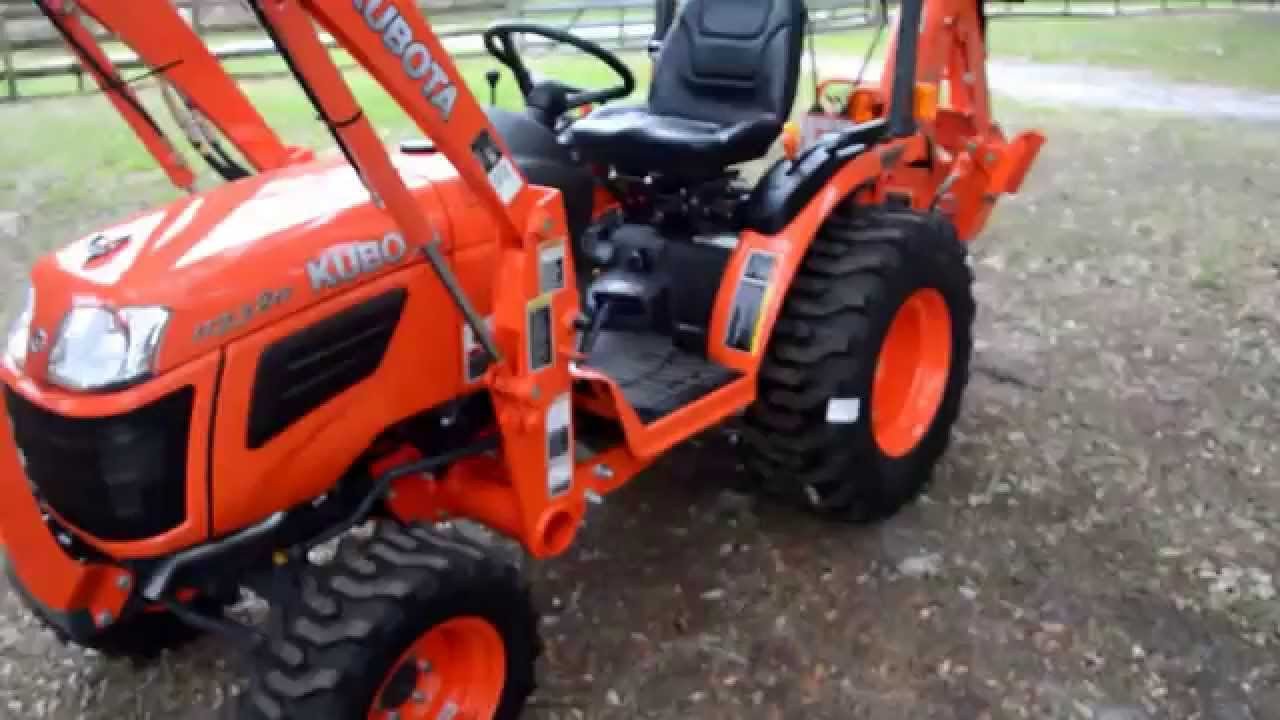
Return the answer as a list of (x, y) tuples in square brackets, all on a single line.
[(303, 371)]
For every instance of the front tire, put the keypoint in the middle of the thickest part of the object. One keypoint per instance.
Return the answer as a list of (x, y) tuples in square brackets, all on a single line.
[(410, 623), (867, 366)]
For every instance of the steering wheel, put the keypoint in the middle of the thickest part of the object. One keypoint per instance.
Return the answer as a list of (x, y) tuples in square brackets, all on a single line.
[(498, 41)]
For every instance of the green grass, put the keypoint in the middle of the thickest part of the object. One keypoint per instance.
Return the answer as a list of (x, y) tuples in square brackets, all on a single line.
[(73, 156), (456, 32), (287, 109), (1224, 50), (48, 141), (1233, 50)]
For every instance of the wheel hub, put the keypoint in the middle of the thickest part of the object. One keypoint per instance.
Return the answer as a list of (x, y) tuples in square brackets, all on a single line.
[(911, 372), (454, 671)]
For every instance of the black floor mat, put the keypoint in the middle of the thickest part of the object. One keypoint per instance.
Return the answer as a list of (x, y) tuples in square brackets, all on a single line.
[(655, 376)]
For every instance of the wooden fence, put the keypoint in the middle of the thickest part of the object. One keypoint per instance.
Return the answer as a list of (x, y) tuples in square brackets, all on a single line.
[(33, 60)]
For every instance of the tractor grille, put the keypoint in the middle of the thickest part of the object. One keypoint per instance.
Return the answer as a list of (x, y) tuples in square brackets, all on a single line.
[(117, 478)]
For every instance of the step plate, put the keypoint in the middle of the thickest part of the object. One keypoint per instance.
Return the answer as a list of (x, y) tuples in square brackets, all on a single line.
[(656, 377)]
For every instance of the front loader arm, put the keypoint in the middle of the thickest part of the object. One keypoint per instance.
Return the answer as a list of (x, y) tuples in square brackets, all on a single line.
[(164, 41), (533, 315), (391, 40), (85, 46)]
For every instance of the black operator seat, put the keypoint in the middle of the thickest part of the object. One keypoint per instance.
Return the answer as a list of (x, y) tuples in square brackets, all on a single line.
[(723, 86)]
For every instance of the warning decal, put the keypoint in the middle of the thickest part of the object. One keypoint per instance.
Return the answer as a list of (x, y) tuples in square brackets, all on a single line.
[(750, 300), (502, 173)]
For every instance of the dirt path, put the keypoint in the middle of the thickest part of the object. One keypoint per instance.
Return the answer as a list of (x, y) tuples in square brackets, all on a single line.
[(1087, 86), (1100, 542)]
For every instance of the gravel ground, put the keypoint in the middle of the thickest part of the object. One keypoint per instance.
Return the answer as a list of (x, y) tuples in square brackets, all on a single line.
[(1100, 541)]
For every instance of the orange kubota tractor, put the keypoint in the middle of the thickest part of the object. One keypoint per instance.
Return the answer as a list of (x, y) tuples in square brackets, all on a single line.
[(501, 324)]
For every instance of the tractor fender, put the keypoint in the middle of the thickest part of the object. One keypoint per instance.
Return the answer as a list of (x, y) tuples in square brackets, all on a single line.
[(788, 186), (762, 267)]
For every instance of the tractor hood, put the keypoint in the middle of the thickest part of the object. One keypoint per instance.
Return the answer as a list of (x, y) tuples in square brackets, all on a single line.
[(230, 260)]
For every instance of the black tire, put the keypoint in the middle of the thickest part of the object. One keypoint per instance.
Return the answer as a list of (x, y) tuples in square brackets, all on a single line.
[(357, 616), (860, 269)]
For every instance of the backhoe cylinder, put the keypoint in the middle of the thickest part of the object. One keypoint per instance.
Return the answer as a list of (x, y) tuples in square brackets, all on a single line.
[(902, 112)]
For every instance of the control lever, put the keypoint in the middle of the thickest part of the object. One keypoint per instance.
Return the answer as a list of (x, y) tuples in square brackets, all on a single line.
[(593, 326), (493, 77)]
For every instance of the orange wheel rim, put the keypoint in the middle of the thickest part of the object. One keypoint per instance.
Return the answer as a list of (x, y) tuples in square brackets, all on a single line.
[(911, 372), (455, 670)]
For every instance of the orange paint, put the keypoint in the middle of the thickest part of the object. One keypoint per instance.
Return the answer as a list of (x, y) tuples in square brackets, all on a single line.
[(460, 663), (911, 372)]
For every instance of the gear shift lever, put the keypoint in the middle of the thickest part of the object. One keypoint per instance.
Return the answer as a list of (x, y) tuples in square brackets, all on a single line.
[(493, 76)]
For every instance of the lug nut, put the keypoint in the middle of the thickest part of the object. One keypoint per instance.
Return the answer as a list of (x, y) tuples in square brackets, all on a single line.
[(419, 697), (424, 666), (104, 619), (122, 582)]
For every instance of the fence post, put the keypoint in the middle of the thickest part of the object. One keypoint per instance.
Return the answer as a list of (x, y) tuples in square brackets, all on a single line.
[(515, 10), (77, 68), (622, 25), (197, 22), (6, 58)]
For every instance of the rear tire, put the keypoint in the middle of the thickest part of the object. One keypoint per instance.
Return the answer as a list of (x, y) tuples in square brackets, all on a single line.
[(407, 621), (826, 432)]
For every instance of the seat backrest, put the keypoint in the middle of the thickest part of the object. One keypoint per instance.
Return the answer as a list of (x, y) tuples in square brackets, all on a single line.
[(730, 60)]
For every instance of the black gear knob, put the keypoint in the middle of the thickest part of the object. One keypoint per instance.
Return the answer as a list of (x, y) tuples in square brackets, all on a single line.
[(492, 77)]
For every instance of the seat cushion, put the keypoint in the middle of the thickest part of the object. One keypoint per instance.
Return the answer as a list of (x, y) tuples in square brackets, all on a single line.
[(634, 140)]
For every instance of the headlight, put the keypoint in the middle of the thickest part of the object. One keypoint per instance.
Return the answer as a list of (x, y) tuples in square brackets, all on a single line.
[(20, 330), (100, 347)]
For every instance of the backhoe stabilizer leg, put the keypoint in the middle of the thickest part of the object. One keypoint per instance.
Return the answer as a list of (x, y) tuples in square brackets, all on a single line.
[(1015, 161)]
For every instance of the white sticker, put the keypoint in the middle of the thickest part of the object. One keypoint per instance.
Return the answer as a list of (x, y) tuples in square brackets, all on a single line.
[(502, 173), (816, 125), (551, 267), (559, 446), (505, 180), (844, 411)]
